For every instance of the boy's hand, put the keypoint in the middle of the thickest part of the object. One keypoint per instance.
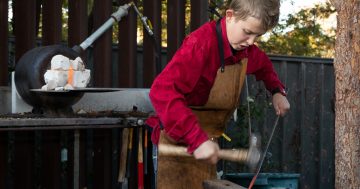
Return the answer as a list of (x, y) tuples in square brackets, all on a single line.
[(281, 104), (208, 151)]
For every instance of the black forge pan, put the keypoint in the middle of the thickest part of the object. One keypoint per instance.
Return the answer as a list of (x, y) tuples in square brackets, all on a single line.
[(29, 74)]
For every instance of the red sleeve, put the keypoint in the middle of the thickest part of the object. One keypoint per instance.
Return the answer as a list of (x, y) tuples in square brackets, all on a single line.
[(168, 91), (264, 69)]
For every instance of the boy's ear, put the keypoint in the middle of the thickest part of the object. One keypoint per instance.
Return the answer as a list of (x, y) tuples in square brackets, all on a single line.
[(229, 14)]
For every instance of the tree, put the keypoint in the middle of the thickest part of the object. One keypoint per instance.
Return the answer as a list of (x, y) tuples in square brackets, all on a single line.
[(302, 34), (347, 91)]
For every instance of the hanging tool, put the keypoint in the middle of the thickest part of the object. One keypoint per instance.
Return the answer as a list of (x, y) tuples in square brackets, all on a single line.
[(264, 154), (144, 20), (145, 152), (125, 184), (140, 162), (123, 155), (149, 29)]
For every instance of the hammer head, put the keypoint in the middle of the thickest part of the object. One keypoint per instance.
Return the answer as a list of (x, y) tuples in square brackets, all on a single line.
[(254, 153)]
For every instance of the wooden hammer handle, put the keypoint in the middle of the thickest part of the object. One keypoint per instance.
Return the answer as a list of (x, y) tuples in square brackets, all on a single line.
[(239, 155)]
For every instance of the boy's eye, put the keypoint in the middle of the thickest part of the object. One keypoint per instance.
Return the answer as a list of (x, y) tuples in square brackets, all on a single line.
[(247, 32)]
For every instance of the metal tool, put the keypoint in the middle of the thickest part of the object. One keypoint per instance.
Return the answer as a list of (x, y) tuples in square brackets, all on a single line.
[(264, 154), (249, 156)]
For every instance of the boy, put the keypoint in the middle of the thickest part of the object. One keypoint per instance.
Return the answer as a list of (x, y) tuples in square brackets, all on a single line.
[(189, 77)]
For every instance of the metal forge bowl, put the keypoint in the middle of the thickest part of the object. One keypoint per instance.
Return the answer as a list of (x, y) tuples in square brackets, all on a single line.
[(29, 74)]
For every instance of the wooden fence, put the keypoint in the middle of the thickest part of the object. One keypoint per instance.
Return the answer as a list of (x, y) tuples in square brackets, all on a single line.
[(304, 141)]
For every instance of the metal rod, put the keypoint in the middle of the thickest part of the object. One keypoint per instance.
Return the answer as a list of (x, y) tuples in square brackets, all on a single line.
[(122, 11), (264, 154)]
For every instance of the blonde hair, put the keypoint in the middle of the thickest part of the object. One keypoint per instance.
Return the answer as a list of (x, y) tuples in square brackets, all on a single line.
[(265, 10)]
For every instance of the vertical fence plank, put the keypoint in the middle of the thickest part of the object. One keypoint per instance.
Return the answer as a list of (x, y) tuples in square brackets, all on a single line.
[(38, 165), (102, 158), (51, 22), (89, 151), (115, 156), (4, 56), (175, 26), (327, 151), (102, 72), (199, 13), (291, 128), (24, 160), (127, 49), (3, 158), (25, 26), (48, 160), (152, 45), (10, 167), (309, 157), (78, 24)]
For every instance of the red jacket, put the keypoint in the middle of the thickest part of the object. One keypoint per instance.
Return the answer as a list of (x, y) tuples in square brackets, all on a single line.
[(188, 78)]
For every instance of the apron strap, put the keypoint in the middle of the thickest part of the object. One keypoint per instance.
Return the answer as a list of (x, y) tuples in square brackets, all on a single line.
[(220, 44)]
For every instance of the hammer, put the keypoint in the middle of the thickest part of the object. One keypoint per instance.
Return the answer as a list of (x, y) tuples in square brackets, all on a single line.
[(250, 156)]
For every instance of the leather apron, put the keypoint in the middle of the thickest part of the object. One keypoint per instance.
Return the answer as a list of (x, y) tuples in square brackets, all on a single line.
[(186, 172)]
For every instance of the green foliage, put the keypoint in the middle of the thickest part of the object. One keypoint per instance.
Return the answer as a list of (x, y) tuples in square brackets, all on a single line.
[(302, 34), (252, 109)]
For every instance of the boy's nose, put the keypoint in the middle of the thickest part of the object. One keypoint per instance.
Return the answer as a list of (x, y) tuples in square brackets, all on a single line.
[(251, 40)]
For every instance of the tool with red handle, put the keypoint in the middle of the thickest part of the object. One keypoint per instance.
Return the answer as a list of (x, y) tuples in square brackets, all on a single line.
[(140, 162)]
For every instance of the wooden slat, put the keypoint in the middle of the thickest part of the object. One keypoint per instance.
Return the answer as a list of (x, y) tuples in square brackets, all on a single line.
[(127, 49), (199, 13), (89, 151), (327, 131), (51, 22), (78, 24), (291, 132), (310, 127), (175, 26), (10, 163), (115, 156), (152, 56), (25, 24), (102, 158), (102, 72), (24, 160), (4, 55), (3, 158)]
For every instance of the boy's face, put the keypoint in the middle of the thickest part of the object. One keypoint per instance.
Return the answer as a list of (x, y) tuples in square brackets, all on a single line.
[(242, 33)]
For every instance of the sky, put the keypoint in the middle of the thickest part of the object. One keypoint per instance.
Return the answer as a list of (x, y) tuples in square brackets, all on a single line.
[(287, 6), (292, 6)]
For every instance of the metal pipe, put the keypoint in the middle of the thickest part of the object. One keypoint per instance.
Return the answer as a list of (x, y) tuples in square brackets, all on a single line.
[(116, 16)]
